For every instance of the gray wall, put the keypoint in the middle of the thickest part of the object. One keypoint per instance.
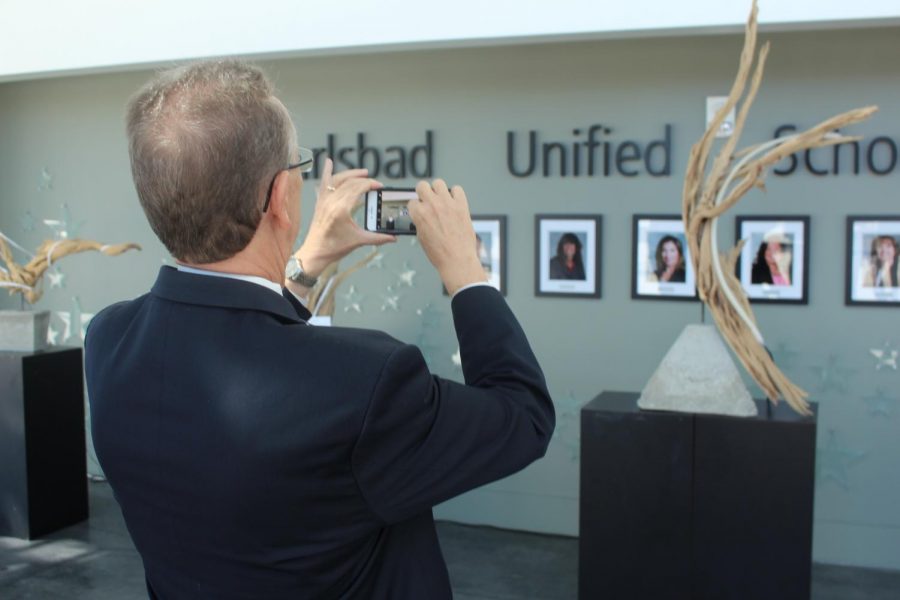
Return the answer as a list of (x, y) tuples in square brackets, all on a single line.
[(470, 98)]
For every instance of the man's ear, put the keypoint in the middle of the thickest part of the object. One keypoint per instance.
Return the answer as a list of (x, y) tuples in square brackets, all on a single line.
[(279, 205)]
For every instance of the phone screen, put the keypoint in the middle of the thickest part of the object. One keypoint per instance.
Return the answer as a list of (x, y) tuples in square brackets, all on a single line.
[(393, 211)]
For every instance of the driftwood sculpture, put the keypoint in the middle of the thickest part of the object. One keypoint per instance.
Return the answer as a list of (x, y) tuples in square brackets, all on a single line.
[(24, 279), (321, 297), (706, 196)]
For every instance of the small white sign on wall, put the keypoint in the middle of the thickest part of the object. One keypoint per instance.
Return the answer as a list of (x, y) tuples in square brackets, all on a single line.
[(713, 104)]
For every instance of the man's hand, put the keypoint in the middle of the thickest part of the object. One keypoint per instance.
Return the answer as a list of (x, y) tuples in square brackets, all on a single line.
[(444, 228), (333, 233)]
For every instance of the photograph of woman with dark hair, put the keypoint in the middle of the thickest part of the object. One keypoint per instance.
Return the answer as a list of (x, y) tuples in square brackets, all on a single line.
[(883, 269), (669, 261), (567, 264), (772, 264)]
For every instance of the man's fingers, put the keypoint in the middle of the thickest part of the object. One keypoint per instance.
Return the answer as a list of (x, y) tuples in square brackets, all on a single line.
[(423, 189), (460, 196), (326, 175), (378, 239), (440, 186), (414, 207)]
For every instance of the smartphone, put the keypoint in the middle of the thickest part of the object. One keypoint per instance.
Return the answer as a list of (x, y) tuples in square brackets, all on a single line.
[(387, 211)]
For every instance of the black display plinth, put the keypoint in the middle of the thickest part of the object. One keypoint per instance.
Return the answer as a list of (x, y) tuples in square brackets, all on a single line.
[(679, 505), (43, 479)]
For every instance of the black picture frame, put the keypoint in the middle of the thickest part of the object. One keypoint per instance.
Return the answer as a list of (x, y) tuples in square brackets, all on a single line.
[(645, 229), (760, 229), (495, 225), (862, 270), (551, 228)]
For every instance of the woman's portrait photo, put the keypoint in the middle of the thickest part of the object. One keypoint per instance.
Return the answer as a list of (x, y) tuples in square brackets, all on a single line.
[(568, 262), (773, 263), (568, 255), (882, 269), (669, 260), (660, 259), (873, 247)]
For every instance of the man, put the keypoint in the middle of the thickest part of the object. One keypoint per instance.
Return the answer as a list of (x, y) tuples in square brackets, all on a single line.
[(256, 456)]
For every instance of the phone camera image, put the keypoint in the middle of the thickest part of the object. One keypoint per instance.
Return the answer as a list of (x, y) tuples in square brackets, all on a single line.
[(393, 212), (395, 216)]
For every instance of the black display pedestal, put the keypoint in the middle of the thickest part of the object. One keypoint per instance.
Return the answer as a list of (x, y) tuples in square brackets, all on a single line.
[(43, 479), (679, 505)]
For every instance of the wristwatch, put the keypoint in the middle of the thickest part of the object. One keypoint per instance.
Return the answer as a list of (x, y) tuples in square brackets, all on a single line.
[(294, 271)]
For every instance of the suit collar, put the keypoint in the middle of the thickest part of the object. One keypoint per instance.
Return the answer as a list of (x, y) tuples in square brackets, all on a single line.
[(222, 292)]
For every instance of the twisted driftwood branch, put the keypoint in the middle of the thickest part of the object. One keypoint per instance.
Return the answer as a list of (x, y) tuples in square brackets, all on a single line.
[(707, 196), (50, 252), (322, 296)]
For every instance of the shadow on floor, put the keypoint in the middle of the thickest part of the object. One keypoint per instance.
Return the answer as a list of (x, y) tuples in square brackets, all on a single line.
[(96, 560)]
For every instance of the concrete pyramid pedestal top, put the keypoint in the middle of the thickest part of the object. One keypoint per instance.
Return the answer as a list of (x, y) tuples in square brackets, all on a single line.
[(698, 375)]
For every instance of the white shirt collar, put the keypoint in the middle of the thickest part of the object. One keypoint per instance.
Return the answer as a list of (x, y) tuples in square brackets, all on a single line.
[(251, 278)]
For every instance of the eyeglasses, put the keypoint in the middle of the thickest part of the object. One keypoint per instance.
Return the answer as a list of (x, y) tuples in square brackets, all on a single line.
[(304, 163)]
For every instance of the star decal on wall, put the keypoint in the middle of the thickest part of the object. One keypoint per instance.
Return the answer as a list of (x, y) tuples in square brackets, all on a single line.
[(27, 222), (784, 357), (456, 358), (64, 228), (377, 262), (886, 356), (52, 334), (56, 278), (45, 181), (834, 460), (406, 275), (880, 404), (75, 322), (353, 300), (390, 300), (831, 376)]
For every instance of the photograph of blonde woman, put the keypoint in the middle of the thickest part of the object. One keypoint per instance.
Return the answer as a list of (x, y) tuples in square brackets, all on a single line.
[(883, 268)]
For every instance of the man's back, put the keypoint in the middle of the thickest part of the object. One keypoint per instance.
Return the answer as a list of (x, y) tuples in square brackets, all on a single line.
[(255, 456)]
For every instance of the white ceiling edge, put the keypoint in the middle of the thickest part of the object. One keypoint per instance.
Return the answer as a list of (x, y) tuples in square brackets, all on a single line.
[(115, 36)]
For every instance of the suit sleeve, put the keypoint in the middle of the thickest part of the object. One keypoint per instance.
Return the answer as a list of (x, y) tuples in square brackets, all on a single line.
[(425, 439)]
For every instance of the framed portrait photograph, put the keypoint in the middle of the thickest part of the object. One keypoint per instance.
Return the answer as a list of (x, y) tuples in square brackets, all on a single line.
[(567, 255), (661, 262), (774, 262), (873, 251), (490, 241)]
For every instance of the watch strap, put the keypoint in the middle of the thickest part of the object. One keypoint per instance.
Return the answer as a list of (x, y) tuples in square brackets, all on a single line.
[(298, 275)]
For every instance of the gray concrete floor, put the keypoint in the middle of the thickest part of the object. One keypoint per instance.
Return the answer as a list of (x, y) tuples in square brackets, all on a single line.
[(96, 560)]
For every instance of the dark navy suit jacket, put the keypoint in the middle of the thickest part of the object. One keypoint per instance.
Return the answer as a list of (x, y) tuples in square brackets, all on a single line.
[(256, 456)]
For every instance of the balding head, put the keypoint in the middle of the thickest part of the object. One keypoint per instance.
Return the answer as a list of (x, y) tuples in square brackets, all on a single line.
[(205, 141)]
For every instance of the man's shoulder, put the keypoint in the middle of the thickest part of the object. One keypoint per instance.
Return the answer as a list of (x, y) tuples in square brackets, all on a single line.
[(352, 340), (114, 314)]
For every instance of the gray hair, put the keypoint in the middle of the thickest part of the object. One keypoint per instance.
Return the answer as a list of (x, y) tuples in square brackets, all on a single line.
[(205, 141)]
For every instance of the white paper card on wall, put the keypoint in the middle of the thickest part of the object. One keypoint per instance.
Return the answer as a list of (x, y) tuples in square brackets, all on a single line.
[(713, 104)]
